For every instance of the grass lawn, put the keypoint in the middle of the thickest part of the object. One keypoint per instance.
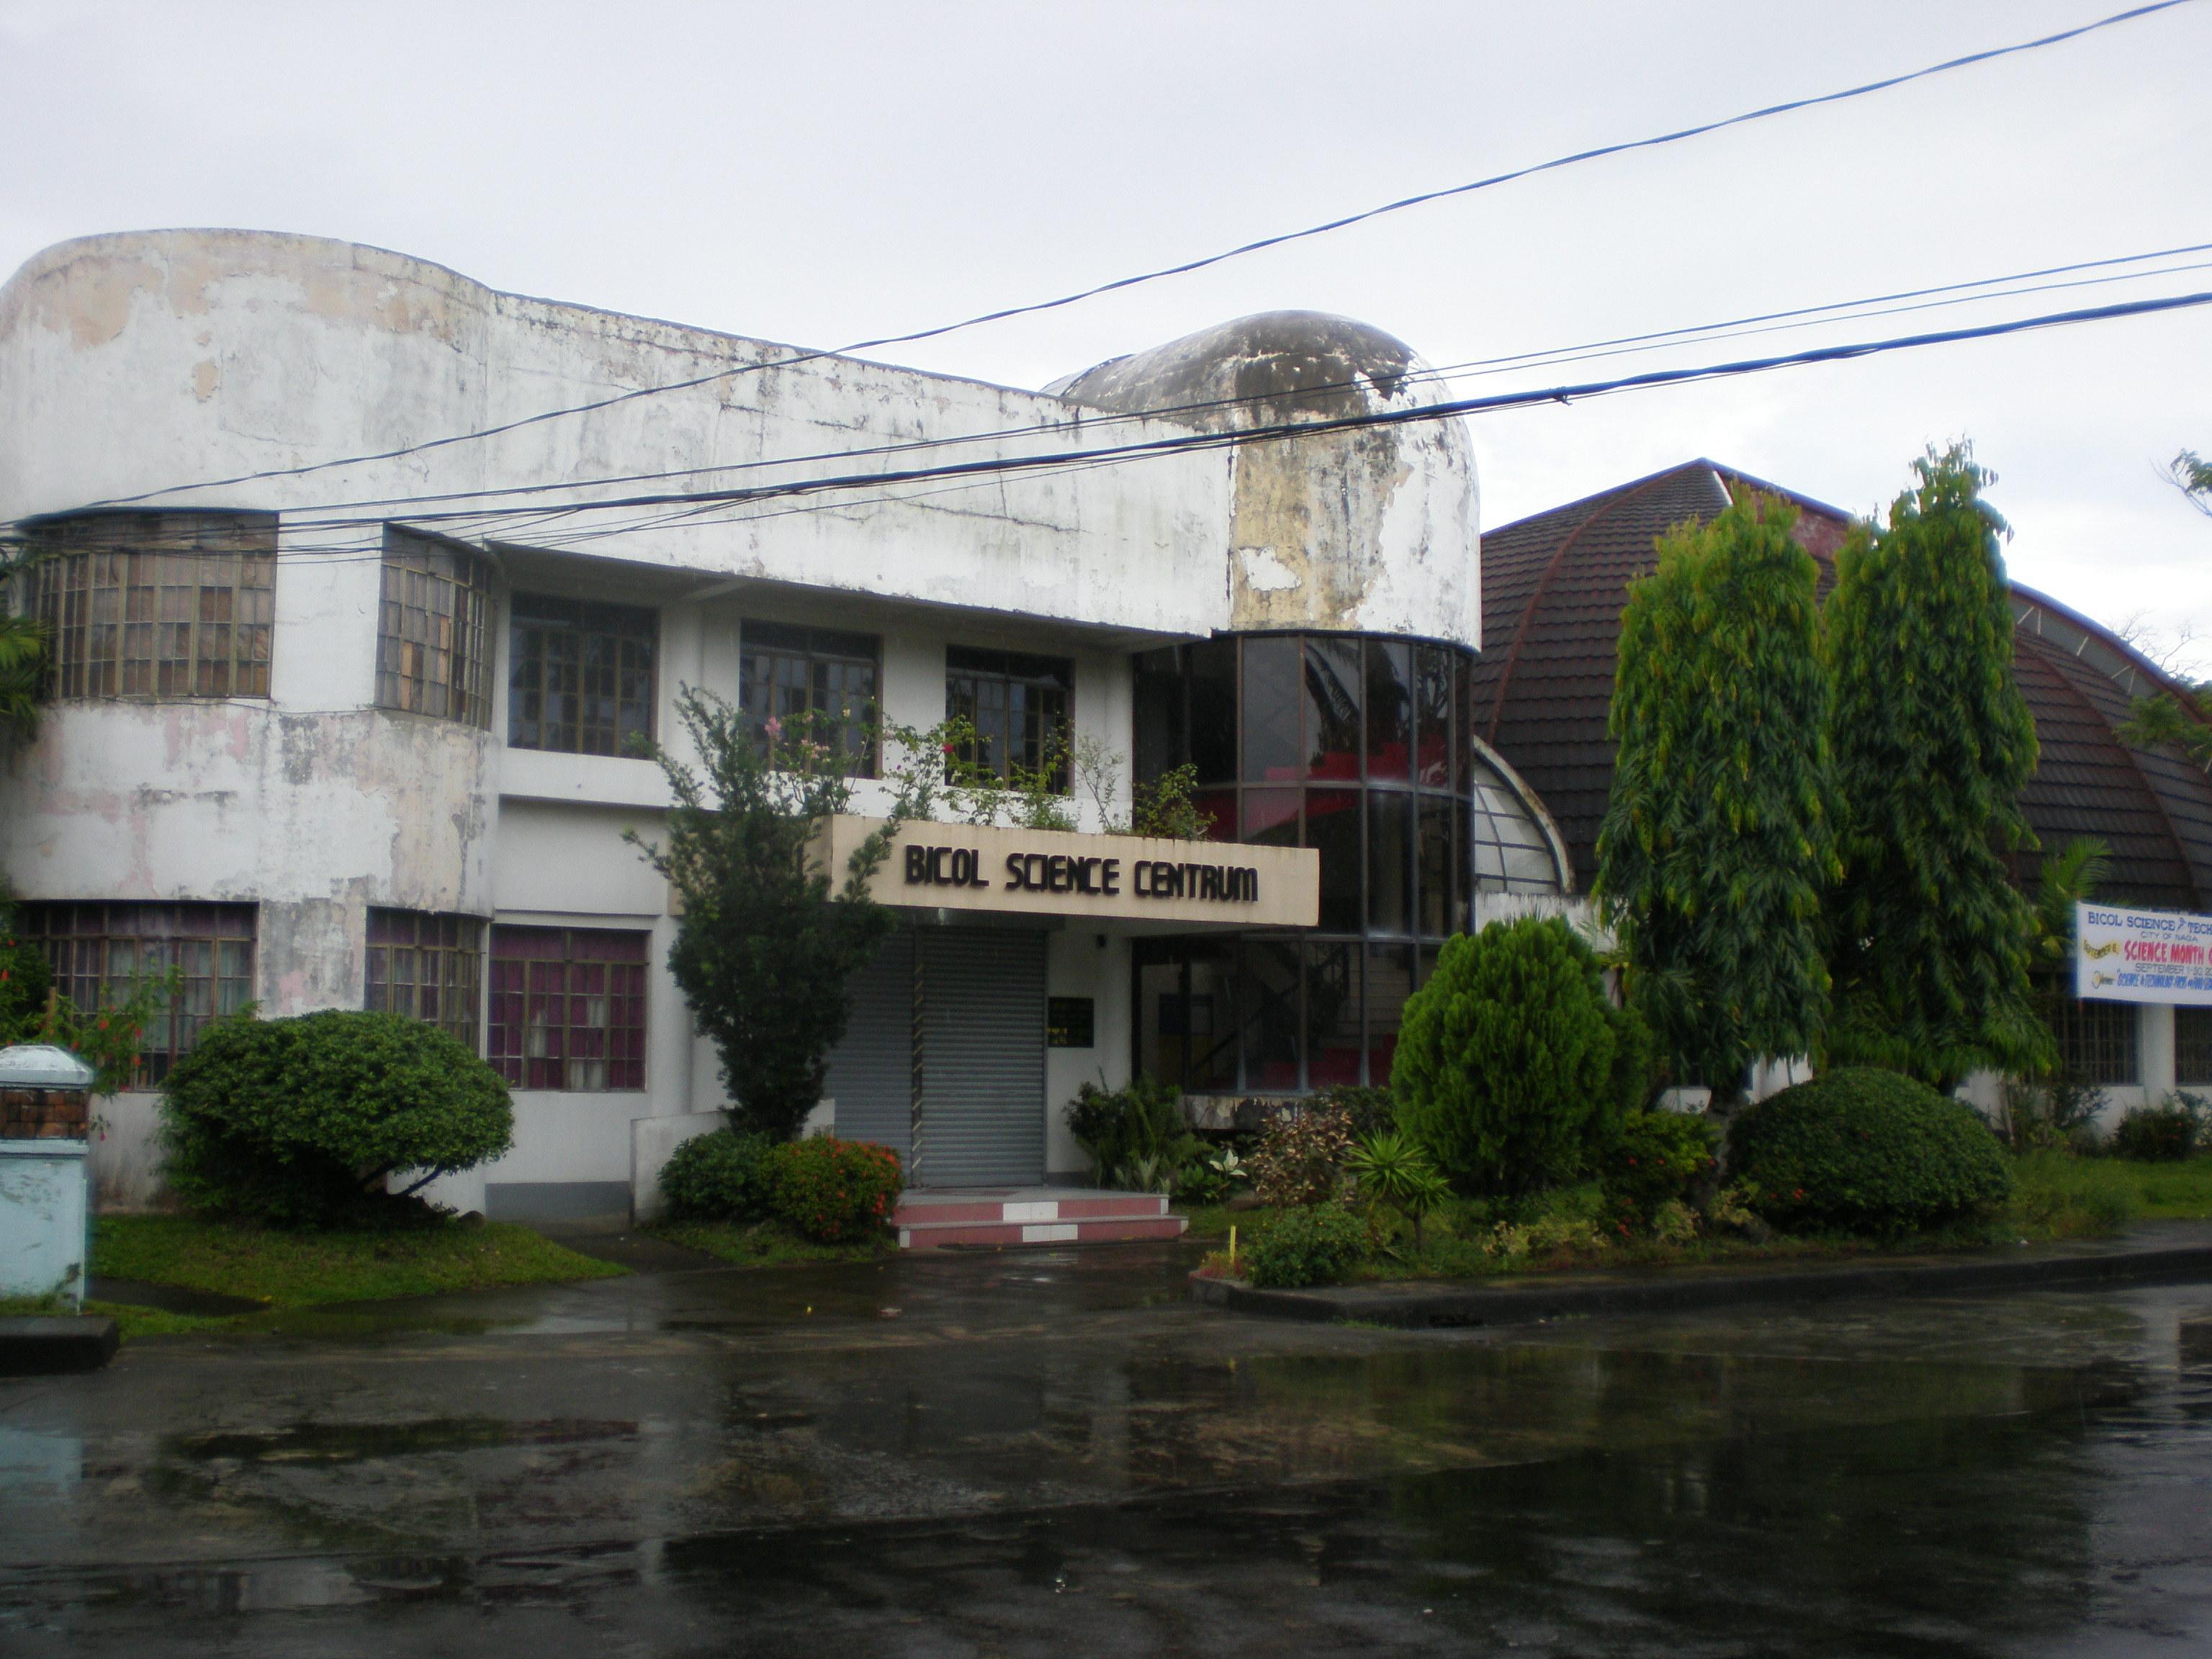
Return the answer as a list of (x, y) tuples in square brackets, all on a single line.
[(764, 1244), (304, 1270), (2159, 1192), (129, 1320)]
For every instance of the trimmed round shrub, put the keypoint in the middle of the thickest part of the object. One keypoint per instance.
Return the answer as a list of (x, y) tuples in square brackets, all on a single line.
[(716, 1177), (1863, 1150), (1316, 1245), (1505, 1068), (300, 1122), (2156, 1134), (832, 1191), (1656, 1159)]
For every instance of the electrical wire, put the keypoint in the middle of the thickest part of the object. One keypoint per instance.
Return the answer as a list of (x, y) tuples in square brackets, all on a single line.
[(1001, 467), (1118, 285)]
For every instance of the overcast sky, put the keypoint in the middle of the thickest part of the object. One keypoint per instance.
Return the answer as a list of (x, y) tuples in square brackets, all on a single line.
[(821, 172)]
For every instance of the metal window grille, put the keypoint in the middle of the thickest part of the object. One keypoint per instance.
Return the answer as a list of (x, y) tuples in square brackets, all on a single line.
[(1020, 706), (431, 656), (567, 1008), (157, 606), (2193, 1047), (787, 672), (428, 967), (2096, 1040), (580, 675), (101, 952)]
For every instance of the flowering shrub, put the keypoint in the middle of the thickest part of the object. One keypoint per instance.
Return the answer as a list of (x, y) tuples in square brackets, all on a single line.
[(832, 1191), (1301, 1159), (1868, 1151), (1655, 1161), (2165, 1133)]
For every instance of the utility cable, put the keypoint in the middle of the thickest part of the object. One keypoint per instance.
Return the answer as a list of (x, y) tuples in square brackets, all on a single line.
[(1625, 147)]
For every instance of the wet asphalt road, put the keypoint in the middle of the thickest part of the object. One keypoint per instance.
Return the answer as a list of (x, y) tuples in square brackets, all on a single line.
[(1051, 1452)]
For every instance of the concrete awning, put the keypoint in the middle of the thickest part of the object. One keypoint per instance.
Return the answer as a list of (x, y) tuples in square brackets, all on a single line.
[(43, 1065)]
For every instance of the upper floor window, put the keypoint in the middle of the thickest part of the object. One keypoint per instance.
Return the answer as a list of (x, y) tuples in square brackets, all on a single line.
[(100, 952), (1019, 706), (433, 654), (157, 604), (580, 675), (786, 671), (428, 967)]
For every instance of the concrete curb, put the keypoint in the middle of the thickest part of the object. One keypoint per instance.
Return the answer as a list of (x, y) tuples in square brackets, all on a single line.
[(1441, 1304), (44, 1346)]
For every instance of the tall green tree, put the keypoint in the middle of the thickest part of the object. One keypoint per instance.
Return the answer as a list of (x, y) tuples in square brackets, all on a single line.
[(771, 937), (1933, 942), (1718, 844)]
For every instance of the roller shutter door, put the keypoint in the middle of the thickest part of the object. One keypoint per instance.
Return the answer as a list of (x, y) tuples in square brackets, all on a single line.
[(982, 1118), (871, 1070)]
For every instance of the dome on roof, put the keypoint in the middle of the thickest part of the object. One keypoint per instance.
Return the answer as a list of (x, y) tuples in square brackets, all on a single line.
[(1369, 530), (1554, 589), (1261, 370)]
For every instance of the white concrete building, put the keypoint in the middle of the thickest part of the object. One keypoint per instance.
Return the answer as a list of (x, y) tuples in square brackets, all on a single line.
[(336, 722)]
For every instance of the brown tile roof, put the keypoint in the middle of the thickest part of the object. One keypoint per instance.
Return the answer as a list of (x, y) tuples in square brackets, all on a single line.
[(1552, 587)]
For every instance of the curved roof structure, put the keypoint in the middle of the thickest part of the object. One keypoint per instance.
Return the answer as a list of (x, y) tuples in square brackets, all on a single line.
[(1553, 586)]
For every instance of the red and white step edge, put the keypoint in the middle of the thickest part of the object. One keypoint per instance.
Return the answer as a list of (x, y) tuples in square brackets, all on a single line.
[(936, 1217)]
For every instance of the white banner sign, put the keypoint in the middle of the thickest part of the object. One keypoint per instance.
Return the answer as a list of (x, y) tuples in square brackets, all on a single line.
[(2142, 956)]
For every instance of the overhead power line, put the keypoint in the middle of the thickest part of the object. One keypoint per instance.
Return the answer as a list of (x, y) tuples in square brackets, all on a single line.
[(1185, 267), (1798, 317), (1010, 465)]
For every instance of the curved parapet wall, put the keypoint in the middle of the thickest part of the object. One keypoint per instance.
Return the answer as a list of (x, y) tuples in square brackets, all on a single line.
[(136, 362), (1365, 531)]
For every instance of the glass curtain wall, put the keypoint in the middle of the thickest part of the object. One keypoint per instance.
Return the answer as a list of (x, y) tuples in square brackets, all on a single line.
[(1358, 747)]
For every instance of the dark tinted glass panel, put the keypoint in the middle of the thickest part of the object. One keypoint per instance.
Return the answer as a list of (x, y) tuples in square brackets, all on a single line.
[(1268, 1006), (1333, 1034), (1159, 740), (1462, 717), (2193, 1047), (1389, 983), (1220, 806), (1333, 825), (1271, 817), (1436, 914), (1389, 862), (1332, 708), (1212, 1037), (1433, 680), (1389, 710), (1271, 692), (1213, 730), (1162, 1013)]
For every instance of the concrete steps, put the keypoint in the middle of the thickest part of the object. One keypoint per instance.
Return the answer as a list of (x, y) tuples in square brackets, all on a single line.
[(935, 1217)]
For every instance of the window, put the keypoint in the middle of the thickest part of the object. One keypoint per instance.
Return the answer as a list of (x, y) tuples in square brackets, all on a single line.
[(2096, 1040), (2193, 1047), (427, 967), (157, 604), (98, 951), (431, 632), (1018, 706), (786, 671), (567, 1008), (580, 675)]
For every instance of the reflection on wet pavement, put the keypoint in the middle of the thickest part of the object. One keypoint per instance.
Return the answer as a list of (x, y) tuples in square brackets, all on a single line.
[(1052, 1452)]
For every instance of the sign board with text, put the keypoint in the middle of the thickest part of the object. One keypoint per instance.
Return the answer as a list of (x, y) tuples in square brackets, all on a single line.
[(2142, 956), (968, 867)]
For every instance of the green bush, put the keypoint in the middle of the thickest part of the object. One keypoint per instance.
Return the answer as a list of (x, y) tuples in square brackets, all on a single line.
[(716, 1177), (832, 1191), (1136, 1135), (1865, 1150), (299, 1122), (1366, 1111), (24, 977), (1656, 1159), (1315, 1245), (1505, 1067), (2163, 1133)]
